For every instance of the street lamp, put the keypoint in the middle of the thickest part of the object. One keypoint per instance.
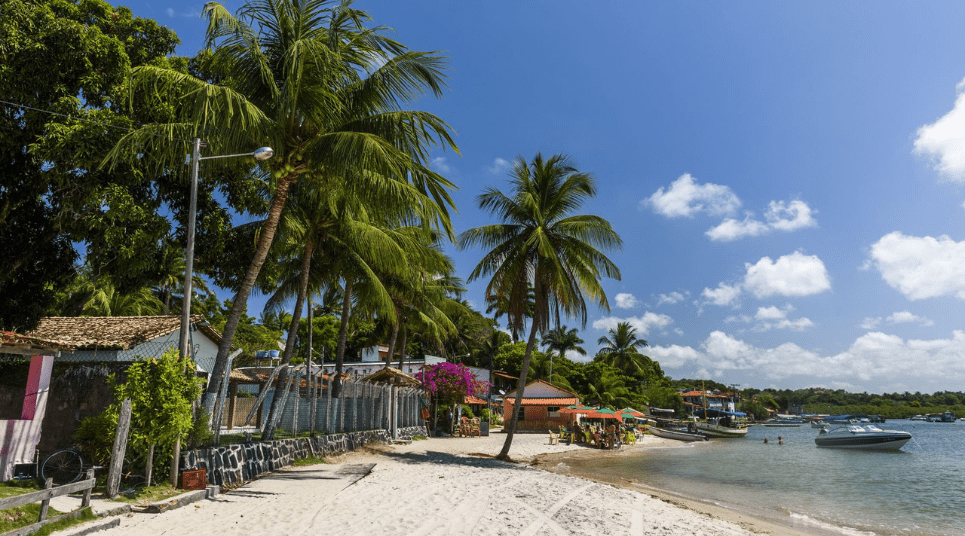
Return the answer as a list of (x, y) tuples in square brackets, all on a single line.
[(262, 153)]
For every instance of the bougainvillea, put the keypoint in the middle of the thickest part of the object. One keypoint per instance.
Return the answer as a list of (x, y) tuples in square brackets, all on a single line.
[(449, 383)]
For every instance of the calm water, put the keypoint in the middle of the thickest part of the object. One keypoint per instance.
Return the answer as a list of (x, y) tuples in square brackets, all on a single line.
[(917, 490)]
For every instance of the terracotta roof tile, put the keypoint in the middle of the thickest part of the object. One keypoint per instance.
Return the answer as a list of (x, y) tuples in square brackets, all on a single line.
[(119, 332)]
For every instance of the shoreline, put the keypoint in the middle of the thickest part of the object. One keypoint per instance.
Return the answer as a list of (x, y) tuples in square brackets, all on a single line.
[(757, 522)]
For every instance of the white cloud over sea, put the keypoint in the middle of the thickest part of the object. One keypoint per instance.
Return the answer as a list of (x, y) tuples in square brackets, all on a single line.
[(875, 361), (943, 142), (920, 267)]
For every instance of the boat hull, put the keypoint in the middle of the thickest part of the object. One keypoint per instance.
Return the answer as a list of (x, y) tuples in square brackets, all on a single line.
[(679, 435), (856, 437), (718, 431)]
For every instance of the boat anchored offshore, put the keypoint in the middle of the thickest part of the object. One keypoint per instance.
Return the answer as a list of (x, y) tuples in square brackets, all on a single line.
[(865, 437)]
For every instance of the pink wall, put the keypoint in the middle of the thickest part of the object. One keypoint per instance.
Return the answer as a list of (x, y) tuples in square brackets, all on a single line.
[(19, 438)]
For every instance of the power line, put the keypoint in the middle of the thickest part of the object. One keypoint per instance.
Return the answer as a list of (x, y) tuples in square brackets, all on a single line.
[(86, 119)]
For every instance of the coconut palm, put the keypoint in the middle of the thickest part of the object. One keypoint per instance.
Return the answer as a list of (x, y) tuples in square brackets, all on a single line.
[(608, 390), (560, 341), (544, 247), (307, 78), (620, 349)]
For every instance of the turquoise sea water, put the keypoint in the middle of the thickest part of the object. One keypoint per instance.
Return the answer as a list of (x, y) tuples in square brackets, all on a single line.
[(918, 490)]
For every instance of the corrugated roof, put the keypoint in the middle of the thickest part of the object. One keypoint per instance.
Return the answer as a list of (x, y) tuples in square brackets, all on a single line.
[(116, 332)]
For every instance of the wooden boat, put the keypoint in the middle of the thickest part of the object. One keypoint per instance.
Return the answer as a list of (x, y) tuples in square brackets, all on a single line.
[(724, 424), (680, 434)]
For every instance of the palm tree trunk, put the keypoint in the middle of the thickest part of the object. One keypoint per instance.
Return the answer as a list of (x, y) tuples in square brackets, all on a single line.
[(342, 337), (269, 431), (167, 300), (392, 339), (405, 336), (240, 304), (504, 454)]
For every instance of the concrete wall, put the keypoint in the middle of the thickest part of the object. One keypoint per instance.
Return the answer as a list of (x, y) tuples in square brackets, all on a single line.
[(234, 465)]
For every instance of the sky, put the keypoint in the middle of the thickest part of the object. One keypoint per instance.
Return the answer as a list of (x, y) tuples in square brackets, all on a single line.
[(788, 178)]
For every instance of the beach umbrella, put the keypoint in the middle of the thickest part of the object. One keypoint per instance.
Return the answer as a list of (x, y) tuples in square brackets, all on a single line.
[(577, 408), (604, 413), (633, 412)]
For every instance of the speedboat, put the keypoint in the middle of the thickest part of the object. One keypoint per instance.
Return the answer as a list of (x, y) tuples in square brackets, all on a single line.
[(861, 437)]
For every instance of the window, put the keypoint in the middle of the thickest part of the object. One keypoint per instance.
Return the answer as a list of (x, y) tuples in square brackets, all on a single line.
[(554, 411), (521, 416)]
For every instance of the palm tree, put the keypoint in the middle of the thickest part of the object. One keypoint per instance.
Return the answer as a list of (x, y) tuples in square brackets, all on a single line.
[(560, 341), (608, 390), (620, 349), (327, 93), (542, 246)]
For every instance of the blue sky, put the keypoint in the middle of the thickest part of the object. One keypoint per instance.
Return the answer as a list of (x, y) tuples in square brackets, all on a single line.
[(787, 177)]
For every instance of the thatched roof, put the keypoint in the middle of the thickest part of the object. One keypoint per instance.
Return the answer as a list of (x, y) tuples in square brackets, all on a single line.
[(113, 332), (393, 375)]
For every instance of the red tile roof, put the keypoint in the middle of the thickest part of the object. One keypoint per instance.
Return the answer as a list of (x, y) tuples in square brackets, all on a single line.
[(545, 401)]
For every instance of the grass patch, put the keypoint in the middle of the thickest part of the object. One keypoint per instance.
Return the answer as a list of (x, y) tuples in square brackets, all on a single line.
[(311, 460), (18, 487), (419, 438), (146, 495)]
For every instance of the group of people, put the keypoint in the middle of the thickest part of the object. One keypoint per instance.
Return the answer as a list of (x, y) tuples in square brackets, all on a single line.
[(611, 436), (780, 440)]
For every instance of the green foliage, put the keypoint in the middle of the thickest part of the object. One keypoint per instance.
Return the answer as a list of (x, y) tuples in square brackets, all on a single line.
[(467, 412), (73, 58), (162, 392), (509, 357), (200, 434)]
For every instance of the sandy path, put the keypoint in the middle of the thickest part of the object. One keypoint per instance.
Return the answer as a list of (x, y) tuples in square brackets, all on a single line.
[(435, 488)]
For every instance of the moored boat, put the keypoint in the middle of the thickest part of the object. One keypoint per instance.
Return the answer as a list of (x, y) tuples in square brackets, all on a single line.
[(867, 437), (724, 424), (680, 434)]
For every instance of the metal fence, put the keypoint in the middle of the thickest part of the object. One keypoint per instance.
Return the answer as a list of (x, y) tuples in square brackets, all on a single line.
[(360, 406)]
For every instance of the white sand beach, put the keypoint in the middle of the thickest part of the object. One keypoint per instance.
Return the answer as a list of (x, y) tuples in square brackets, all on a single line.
[(444, 486)]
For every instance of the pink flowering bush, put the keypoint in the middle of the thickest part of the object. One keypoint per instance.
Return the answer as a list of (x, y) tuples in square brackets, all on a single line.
[(449, 383)]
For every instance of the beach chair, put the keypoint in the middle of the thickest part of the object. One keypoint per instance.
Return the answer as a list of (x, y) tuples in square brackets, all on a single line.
[(554, 438)]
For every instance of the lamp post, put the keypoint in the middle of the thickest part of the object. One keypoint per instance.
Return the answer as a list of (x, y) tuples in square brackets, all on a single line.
[(262, 153)]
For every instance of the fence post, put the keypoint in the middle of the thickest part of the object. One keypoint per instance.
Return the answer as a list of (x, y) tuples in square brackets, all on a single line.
[(46, 502), (328, 405), (120, 449), (86, 501)]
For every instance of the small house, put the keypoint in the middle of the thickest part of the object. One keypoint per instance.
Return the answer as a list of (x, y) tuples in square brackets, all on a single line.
[(540, 406)]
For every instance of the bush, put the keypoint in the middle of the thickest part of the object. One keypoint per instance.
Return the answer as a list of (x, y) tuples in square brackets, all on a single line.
[(467, 412)]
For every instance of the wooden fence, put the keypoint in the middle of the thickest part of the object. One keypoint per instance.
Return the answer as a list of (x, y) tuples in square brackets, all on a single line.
[(43, 497)]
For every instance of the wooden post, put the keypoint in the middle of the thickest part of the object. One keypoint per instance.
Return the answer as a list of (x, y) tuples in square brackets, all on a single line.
[(231, 406), (149, 465), (120, 449), (86, 501), (46, 502)]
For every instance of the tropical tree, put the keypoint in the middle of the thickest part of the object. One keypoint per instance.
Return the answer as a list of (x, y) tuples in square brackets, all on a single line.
[(561, 340), (607, 389), (326, 93), (544, 247), (620, 349)]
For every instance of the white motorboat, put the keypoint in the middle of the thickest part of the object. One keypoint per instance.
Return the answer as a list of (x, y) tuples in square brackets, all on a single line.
[(865, 437)]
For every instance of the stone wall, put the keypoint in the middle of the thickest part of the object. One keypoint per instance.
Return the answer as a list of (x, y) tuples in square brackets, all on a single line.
[(231, 466)]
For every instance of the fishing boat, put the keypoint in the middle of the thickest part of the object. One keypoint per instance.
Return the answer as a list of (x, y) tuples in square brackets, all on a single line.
[(723, 424), (868, 437), (940, 417)]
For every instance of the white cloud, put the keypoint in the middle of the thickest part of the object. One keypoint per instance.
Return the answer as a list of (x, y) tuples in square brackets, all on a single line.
[(684, 197), (500, 166), (943, 141), (170, 12), (875, 361), (921, 267), (770, 313), (731, 229), (439, 164), (900, 317), (723, 295), (672, 298), (780, 216), (625, 300), (791, 275), (789, 216), (643, 324)]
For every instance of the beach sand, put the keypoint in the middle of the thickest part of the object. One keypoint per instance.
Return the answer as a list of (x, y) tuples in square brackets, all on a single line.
[(448, 486)]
